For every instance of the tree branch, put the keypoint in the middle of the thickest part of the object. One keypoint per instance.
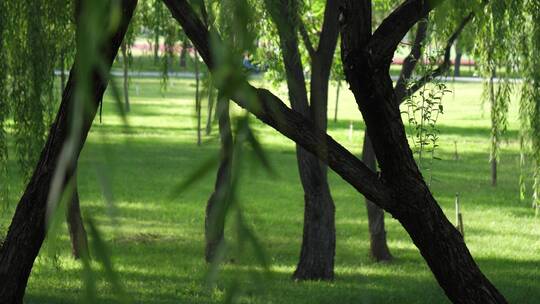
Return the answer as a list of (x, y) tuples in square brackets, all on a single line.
[(410, 61), (445, 65), (386, 38), (329, 32), (305, 37), (273, 112)]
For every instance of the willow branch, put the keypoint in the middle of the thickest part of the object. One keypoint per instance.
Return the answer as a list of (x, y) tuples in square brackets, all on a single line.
[(445, 65)]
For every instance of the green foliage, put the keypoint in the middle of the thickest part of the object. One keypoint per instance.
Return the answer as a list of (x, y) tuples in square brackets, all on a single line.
[(530, 96), (4, 107), (423, 110)]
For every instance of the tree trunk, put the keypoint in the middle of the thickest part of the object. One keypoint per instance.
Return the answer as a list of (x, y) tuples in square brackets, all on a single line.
[(211, 101), (126, 76), (337, 100), (156, 46), (27, 230), (77, 233), (62, 71), (457, 60), (318, 241), (319, 236), (379, 250), (214, 223), (197, 99), (183, 53)]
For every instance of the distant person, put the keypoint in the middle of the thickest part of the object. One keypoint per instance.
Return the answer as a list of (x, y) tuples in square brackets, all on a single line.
[(249, 66)]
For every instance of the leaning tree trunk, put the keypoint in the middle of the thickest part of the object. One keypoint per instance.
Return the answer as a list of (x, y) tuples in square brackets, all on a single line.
[(125, 62), (77, 233), (379, 250), (214, 222), (27, 230)]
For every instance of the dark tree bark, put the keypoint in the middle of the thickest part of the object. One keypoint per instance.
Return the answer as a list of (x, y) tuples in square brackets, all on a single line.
[(214, 223), (125, 62), (337, 100), (400, 189), (77, 233), (366, 59), (27, 230), (319, 237)]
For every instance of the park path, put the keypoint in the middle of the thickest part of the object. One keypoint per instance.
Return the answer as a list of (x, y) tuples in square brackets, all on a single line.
[(191, 75)]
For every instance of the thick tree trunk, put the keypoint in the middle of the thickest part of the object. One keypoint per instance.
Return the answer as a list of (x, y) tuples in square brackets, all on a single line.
[(379, 250), (318, 241), (319, 236), (27, 230), (77, 233), (126, 76)]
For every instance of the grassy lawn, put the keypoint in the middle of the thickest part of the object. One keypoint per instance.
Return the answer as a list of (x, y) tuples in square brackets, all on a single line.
[(157, 243)]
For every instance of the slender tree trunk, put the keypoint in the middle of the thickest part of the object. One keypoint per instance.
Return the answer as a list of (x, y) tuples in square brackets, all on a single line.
[(337, 100), (62, 71), (156, 46), (215, 209), (377, 233), (125, 62), (211, 101), (197, 98), (457, 61), (27, 230), (183, 53), (77, 233)]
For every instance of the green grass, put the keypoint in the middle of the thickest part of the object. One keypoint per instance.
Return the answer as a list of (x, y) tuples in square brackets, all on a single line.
[(157, 243)]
